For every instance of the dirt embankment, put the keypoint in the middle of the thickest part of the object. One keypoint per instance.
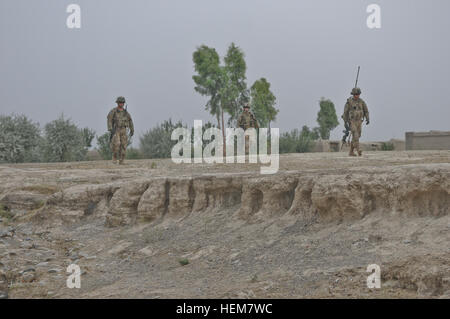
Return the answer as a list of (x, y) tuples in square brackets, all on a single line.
[(308, 231)]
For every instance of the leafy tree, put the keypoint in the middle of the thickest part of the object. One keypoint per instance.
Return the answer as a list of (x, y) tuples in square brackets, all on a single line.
[(297, 141), (326, 118), (315, 133), (263, 102), (156, 142), (209, 77), (224, 84), (65, 142), (235, 93), (88, 136), (103, 146), (19, 139)]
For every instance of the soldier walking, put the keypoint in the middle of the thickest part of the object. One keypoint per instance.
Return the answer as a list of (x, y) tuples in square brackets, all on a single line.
[(118, 121), (247, 120), (355, 111)]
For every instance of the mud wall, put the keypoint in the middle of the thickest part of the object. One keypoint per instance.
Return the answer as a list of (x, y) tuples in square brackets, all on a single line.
[(434, 140), (421, 190)]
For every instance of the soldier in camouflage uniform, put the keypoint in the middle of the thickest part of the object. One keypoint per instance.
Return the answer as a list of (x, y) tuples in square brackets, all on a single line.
[(355, 111), (118, 121), (245, 121)]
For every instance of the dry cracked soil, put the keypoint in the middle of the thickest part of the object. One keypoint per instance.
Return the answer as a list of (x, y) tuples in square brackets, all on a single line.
[(156, 229)]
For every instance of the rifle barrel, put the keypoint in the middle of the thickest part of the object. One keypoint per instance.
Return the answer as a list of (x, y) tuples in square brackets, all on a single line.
[(357, 76)]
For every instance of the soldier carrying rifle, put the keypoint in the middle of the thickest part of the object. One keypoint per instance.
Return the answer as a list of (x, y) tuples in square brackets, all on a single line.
[(247, 120), (355, 111), (118, 121)]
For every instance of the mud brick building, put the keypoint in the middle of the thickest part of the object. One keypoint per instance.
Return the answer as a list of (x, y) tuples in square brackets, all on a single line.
[(433, 140)]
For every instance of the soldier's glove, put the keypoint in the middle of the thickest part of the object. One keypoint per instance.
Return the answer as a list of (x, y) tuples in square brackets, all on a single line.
[(131, 133), (367, 122)]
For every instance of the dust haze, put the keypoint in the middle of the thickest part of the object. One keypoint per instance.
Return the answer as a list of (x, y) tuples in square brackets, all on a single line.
[(305, 49)]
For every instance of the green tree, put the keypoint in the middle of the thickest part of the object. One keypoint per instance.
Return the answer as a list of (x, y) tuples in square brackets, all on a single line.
[(88, 136), (65, 142), (263, 102), (209, 78), (235, 92), (104, 147), (157, 142), (297, 141), (315, 133), (224, 84), (326, 118), (19, 139)]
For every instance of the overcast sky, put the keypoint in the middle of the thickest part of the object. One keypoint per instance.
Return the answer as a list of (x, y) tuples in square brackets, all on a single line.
[(306, 49)]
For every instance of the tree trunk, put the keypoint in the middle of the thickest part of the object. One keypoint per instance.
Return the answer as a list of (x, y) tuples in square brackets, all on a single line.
[(218, 120), (223, 135)]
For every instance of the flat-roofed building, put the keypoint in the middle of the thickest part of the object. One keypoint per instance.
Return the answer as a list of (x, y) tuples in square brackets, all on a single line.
[(433, 140)]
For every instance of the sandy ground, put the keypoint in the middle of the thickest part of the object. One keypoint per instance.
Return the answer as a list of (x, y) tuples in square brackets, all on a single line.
[(279, 255)]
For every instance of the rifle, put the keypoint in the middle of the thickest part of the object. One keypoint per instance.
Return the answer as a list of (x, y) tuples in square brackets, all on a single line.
[(346, 125), (113, 131), (346, 134), (255, 122), (344, 139)]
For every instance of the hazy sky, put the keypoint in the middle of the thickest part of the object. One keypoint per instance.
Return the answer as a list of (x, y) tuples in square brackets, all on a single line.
[(307, 49)]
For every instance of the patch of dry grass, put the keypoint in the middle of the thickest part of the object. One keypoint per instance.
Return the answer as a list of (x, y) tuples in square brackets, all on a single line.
[(5, 213), (41, 189)]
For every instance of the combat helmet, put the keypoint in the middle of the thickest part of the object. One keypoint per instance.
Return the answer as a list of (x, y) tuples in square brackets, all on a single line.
[(120, 99), (356, 91)]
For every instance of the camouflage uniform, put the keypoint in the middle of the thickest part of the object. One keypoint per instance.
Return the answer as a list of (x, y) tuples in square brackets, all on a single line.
[(247, 120), (119, 120), (355, 111)]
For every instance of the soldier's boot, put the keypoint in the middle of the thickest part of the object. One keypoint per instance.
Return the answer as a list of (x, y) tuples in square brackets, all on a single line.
[(358, 149), (351, 153), (114, 158), (122, 159)]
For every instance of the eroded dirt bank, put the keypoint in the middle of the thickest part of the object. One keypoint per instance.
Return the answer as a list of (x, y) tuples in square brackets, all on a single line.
[(310, 230)]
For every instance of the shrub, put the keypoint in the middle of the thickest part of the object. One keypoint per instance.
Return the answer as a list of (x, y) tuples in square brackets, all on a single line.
[(297, 141), (387, 146), (65, 142), (156, 142), (19, 139)]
